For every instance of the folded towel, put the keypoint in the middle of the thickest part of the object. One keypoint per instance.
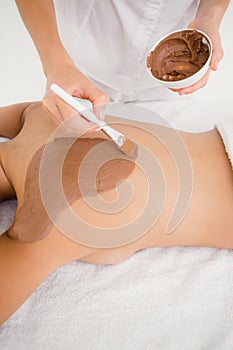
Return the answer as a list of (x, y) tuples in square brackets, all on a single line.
[(225, 129)]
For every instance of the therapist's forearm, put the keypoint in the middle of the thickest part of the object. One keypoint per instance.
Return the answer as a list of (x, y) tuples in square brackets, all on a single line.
[(213, 9), (40, 20)]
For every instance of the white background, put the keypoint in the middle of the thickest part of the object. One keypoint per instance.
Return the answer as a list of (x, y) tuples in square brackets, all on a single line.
[(22, 77)]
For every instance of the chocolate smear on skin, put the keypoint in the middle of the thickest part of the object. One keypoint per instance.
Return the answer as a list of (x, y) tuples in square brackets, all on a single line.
[(32, 222), (178, 56)]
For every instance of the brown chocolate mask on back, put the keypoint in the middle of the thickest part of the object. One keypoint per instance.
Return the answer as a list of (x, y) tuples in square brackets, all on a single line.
[(32, 222)]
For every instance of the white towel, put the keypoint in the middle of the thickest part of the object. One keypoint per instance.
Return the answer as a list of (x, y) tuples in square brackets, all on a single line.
[(160, 298), (7, 208), (225, 129), (7, 213)]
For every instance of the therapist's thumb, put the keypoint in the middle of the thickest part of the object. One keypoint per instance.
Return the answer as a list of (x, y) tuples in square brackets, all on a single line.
[(99, 101)]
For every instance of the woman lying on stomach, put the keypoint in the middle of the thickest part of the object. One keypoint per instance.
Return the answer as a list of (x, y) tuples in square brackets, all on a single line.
[(73, 202)]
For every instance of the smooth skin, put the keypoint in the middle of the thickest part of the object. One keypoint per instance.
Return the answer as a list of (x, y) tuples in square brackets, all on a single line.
[(59, 68), (207, 222)]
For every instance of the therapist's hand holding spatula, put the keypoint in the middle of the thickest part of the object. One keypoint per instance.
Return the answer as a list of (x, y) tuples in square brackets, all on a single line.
[(77, 85)]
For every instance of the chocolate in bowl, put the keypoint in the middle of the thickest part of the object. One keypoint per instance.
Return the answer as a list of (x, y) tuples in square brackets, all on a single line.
[(179, 55)]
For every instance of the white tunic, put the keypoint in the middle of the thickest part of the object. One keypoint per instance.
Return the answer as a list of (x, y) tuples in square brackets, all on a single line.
[(109, 40)]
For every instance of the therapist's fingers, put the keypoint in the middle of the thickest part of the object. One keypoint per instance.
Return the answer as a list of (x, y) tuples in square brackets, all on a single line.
[(192, 88), (71, 121), (218, 52), (74, 123), (78, 85), (98, 99), (209, 26)]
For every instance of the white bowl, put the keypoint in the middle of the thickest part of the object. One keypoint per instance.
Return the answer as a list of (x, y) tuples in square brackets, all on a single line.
[(178, 84)]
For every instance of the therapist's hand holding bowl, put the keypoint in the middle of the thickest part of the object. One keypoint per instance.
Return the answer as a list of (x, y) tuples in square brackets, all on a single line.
[(209, 25)]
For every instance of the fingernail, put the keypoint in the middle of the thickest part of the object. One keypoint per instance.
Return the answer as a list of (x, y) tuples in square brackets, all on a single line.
[(102, 114)]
